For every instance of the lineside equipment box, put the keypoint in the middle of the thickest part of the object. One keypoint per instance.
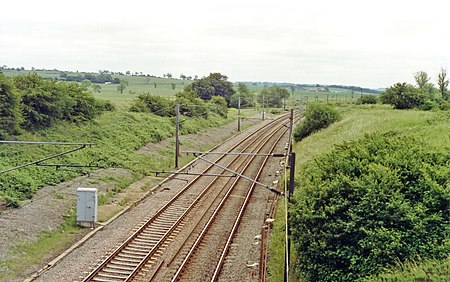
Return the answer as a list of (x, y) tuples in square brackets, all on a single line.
[(87, 201)]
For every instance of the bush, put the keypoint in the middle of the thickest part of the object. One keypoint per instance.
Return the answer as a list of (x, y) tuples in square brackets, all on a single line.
[(366, 99), (275, 111), (218, 105), (10, 114), (403, 96), (429, 105), (444, 105), (160, 106), (317, 116), (369, 204), (45, 102)]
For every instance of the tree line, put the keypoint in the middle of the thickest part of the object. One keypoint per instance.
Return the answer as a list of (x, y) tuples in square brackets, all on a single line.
[(100, 78), (214, 88)]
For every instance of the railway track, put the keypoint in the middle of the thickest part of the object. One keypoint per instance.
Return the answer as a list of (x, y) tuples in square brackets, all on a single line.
[(151, 251)]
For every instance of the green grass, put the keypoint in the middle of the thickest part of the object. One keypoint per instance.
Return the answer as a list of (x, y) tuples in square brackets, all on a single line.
[(426, 271), (432, 127), (34, 253)]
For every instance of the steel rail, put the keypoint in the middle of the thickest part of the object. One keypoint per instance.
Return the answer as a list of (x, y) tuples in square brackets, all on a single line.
[(260, 142), (137, 232), (210, 221), (208, 208), (240, 215)]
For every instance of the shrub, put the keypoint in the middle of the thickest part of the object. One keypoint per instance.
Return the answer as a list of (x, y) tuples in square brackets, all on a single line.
[(45, 102), (218, 105), (429, 105), (247, 100), (160, 106), (273, 96), (195, 107), (369, 204), (444, 105), (403, 96), (366, 99), (317, 116), (275, 111), (10, 114)]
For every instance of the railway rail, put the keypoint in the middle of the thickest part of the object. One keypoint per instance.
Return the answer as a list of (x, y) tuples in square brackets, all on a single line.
[(163, 247)]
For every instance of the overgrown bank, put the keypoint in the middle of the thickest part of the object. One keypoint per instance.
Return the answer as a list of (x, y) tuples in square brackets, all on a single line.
[(403, 226), (117, 136)]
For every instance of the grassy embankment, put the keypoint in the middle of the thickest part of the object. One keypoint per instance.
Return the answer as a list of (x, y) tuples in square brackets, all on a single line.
[(432, 127)]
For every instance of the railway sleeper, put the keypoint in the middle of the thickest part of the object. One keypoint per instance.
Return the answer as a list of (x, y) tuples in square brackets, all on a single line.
[(130, 257), (122, 262), (126, 262), (99, 279), (143, 245), (145, 241), (121, 266), (167, 216), (154, 230), (132, 251), (137, 249), (163, 224), (118, 272), (107, 277), (151, 237)]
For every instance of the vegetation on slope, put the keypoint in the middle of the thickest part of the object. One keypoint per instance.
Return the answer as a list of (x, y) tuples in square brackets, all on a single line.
[(370, 203), (430, 128), (34, 109)]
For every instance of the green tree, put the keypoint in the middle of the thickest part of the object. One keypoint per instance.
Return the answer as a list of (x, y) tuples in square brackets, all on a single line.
[(273, 96), (86, 83), (10, 114), (96, 88), (442, 82), (247, 98), (160, 106), (121, 87), (421, 79), (44, 102), (425, 86), (218, 105), (403, 96), (317, 117), (215, 84)]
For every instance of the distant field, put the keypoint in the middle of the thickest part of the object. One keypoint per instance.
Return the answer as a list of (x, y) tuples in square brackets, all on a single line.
[(169, 87), (136, 84)]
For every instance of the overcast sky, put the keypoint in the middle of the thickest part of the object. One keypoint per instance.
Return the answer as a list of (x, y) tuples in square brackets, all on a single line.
[(370, 44)]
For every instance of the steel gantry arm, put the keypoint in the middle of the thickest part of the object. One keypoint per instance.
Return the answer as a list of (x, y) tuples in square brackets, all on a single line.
[(243, 176)]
